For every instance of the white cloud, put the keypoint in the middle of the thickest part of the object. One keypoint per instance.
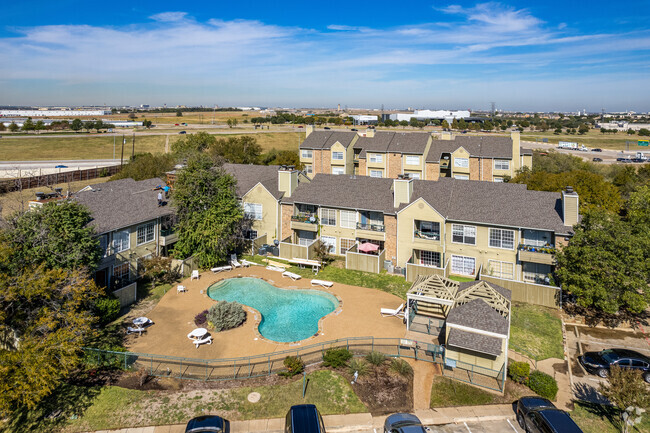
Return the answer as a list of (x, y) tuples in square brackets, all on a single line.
[(168, 17)]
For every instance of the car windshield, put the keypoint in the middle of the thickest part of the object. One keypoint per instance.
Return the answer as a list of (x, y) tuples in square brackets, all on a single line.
[(609, 355)]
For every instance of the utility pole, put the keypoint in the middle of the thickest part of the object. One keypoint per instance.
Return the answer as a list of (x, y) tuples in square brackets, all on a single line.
[(133, 147), (493, 105), (113, 146), (122, 155)]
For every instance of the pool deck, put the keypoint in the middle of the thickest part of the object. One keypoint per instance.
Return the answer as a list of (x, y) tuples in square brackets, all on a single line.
[(173, 317)]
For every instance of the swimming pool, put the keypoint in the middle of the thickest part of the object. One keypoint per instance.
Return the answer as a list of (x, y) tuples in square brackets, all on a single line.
[(287, 315)]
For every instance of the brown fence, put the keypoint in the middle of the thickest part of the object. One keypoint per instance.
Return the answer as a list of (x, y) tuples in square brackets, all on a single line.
[(257, 243), (127, 295), (18, 184), (413, 271), (536, 294), (364, 262), (289, 250)]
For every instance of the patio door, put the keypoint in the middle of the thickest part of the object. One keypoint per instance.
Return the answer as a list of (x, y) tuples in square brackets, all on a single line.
[(305, 237), (330, 241), (462, 265)]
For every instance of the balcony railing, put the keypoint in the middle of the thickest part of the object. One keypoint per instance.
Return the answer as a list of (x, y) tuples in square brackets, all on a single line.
[(305, 218), (371, 227), (538, 249), (168, 231), (431, 236)]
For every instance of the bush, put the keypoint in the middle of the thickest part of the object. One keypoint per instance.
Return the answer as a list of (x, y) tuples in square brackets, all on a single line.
[(360, 366), (294, 366), (201, 318), (226, 315), (401, 367), (336, 358), (376, 358), (107, 309), (543, 384), (519, 371)]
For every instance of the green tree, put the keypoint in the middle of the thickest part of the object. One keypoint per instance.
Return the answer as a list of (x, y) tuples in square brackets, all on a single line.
[(620, 280), (179, 113), (454, 124), (445, 124), (56, 235), (76, 125), (583, 129), (28, 125), (192, 143), (147, 123), (2, 127), (638, 208), (627, 390), (39, 126), (644, 132), (146, 166), (210, 218), (281, 157), (237, 150), (487, 125), (13, 127), (89, 125), (159, 269), (631, 131)]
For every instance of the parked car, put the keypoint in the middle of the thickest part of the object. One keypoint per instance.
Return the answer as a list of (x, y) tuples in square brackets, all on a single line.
[(327, 127), (208, 424), (539, 415), (304, 418), (597, 160), (599, 362), (354, 129), (182, 132), (300, 126), (60, 166), (404, 423), (596, 150)]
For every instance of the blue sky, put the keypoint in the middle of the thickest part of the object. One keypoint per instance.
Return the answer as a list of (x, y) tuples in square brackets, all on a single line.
[(552, 55)]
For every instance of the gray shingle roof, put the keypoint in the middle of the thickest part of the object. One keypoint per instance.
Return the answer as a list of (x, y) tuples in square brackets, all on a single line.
[(485, 146), (474, 342), (122, 203), (477, 314), (396, 142), (325, 139), (249, 175), (524, 151)]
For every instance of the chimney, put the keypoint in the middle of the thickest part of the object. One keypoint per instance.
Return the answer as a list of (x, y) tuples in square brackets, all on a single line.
[(446, 135), (308, 130), (287, 179), (569, 206), (370, 132), (402, 189), (515, 136)]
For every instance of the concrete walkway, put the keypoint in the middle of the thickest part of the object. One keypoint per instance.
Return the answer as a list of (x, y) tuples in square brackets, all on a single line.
[(354, 422)]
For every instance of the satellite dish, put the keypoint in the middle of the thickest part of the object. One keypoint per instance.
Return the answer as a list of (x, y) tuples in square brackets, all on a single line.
[(312, 219)]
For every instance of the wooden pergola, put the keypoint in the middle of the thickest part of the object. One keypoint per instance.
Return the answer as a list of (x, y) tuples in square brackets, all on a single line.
[(434, 295), (482, 290)]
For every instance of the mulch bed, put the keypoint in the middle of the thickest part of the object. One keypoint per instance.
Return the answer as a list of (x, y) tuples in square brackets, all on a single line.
[(383, 391)]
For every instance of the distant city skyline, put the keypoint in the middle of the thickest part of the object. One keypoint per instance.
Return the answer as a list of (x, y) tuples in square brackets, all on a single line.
[(555, 56)]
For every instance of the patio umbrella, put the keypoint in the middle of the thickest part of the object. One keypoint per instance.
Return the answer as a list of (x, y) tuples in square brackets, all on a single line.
[(367, 247)]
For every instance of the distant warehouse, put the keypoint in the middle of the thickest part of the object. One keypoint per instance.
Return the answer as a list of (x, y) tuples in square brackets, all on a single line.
[(54, 113)]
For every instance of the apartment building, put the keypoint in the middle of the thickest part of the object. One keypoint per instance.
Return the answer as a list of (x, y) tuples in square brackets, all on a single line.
[(502, 229), (420, 155)]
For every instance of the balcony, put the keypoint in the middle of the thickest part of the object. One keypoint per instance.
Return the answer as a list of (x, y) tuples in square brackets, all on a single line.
[(304, 221), (430, 236), (536, 254), (371, 231), (168, 236), (371, 227)]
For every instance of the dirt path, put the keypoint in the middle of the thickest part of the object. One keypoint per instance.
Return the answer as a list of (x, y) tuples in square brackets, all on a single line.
[(423, 374)]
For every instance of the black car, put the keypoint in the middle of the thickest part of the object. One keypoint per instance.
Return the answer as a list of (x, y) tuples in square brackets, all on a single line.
[(182, 132), (597, 160), (596, 150), (404, 423), (208, 424), (304, 418), (327, 127), (539, 415), (600, 362), (354, 129)]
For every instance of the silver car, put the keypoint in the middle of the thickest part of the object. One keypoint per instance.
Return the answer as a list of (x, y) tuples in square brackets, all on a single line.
[(404, 423)]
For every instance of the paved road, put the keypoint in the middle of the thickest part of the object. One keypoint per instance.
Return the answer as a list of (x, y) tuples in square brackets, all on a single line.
[(608, 155), (10, 169), (503, 426)]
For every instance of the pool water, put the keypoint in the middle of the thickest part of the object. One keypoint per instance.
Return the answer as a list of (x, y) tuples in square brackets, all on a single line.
[(287, 315)]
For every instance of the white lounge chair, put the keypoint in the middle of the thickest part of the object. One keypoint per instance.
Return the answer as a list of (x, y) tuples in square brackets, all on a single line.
[(291, 275), (275, 268), (205, 340), (181, 289), (138, 330), (387, 312), (234, 262), (221, 269), (322, 283), (195, 275), (245, 263)]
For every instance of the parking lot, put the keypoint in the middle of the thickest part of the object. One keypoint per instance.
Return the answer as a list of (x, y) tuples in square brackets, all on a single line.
[(502, 426)]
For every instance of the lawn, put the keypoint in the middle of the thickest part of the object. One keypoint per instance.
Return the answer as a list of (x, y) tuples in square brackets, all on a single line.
[(461, 279), (446, 392), (596, 418), (536, 331), (594, 138)]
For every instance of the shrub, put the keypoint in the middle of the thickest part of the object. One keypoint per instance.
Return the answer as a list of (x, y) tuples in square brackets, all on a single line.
[(543, 384), (336, 358), (519, 371), (226, 315), (401, 367), (201, 318), (376, 358), (360, 366), (107, 309), (294, 366)]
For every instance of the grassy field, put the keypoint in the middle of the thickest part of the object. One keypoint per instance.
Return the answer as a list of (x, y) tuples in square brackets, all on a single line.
[(536, 331), (446, 392), (205, 118), (86, 146), (596, 418), (594, 138)]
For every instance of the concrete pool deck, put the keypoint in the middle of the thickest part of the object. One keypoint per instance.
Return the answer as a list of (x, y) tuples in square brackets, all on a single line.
[(173, 319)]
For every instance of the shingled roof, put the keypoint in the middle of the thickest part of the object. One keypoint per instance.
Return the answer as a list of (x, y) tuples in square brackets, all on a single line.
[(484, 146), (122, 203), (395, 142), (477, 314), (249, 175), (326, 139), (475, 342)]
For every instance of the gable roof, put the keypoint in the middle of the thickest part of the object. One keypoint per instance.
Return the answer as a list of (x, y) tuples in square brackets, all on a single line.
[(477, 314), (484, 146), (249, 175), (395, 142), (325, 139), (474, 342), (122, 203)]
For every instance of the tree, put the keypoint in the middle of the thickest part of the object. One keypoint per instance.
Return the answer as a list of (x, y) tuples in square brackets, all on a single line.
[(210, 218), (192, 143), (76, 125), (557, 131), (56, 235), (237, 150), (28, 125), (281, 157), (39, 126), (89, 125), (132, 116), (179, 113), (627, 390), (487, 125), (159, 269), (146, 166), (583, 129), (631, 131), (2, 126), (644, 132), (445, 124), (146, 123), (454, 124)]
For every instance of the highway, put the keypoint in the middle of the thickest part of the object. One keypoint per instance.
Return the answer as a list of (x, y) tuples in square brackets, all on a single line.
[(11, 169)]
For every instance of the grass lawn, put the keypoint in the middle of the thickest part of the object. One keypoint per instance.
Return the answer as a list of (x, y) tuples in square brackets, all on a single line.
[(594, 138), (461, 279), (596, 418), (536, 331), (446, 392)]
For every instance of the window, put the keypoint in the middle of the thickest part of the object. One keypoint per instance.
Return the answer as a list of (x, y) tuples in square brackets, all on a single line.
[(461, 162), (427, 230), (415, 175), (346, 244), (103, 245), (412, 160), (501, 164), (146, 233), (330, 241), (250, 234), (536, 272), (461, 234), (337, 156), (497, 179), (121, 241), (338, 170), (376, 173), (500, 238), (328, 217), (253, 211), (537, 238), (499, 269), (305, 238), (461, 176), (430, 258), (348, 219), (306, 154), (121, 274), (308, 169), (376, 157), (462, 265)]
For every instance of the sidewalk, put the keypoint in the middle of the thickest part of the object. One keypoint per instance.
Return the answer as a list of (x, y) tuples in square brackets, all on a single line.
[(353, 422)]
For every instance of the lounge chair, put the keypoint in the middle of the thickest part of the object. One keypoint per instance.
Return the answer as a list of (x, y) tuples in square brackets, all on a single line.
[(221, 269), (138, 330), (234, 262), (275, 268), (322, 283), (387, 312), (245, 263), (180, 289), (291, 275), (205, 340), (195, 275)]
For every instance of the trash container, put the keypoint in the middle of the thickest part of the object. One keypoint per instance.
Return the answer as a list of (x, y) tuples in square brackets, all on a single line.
[(388, 263), (275, 251)]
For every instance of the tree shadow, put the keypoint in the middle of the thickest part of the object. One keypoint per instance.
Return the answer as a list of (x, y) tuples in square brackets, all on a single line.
[(603, 411), (588, 393)]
